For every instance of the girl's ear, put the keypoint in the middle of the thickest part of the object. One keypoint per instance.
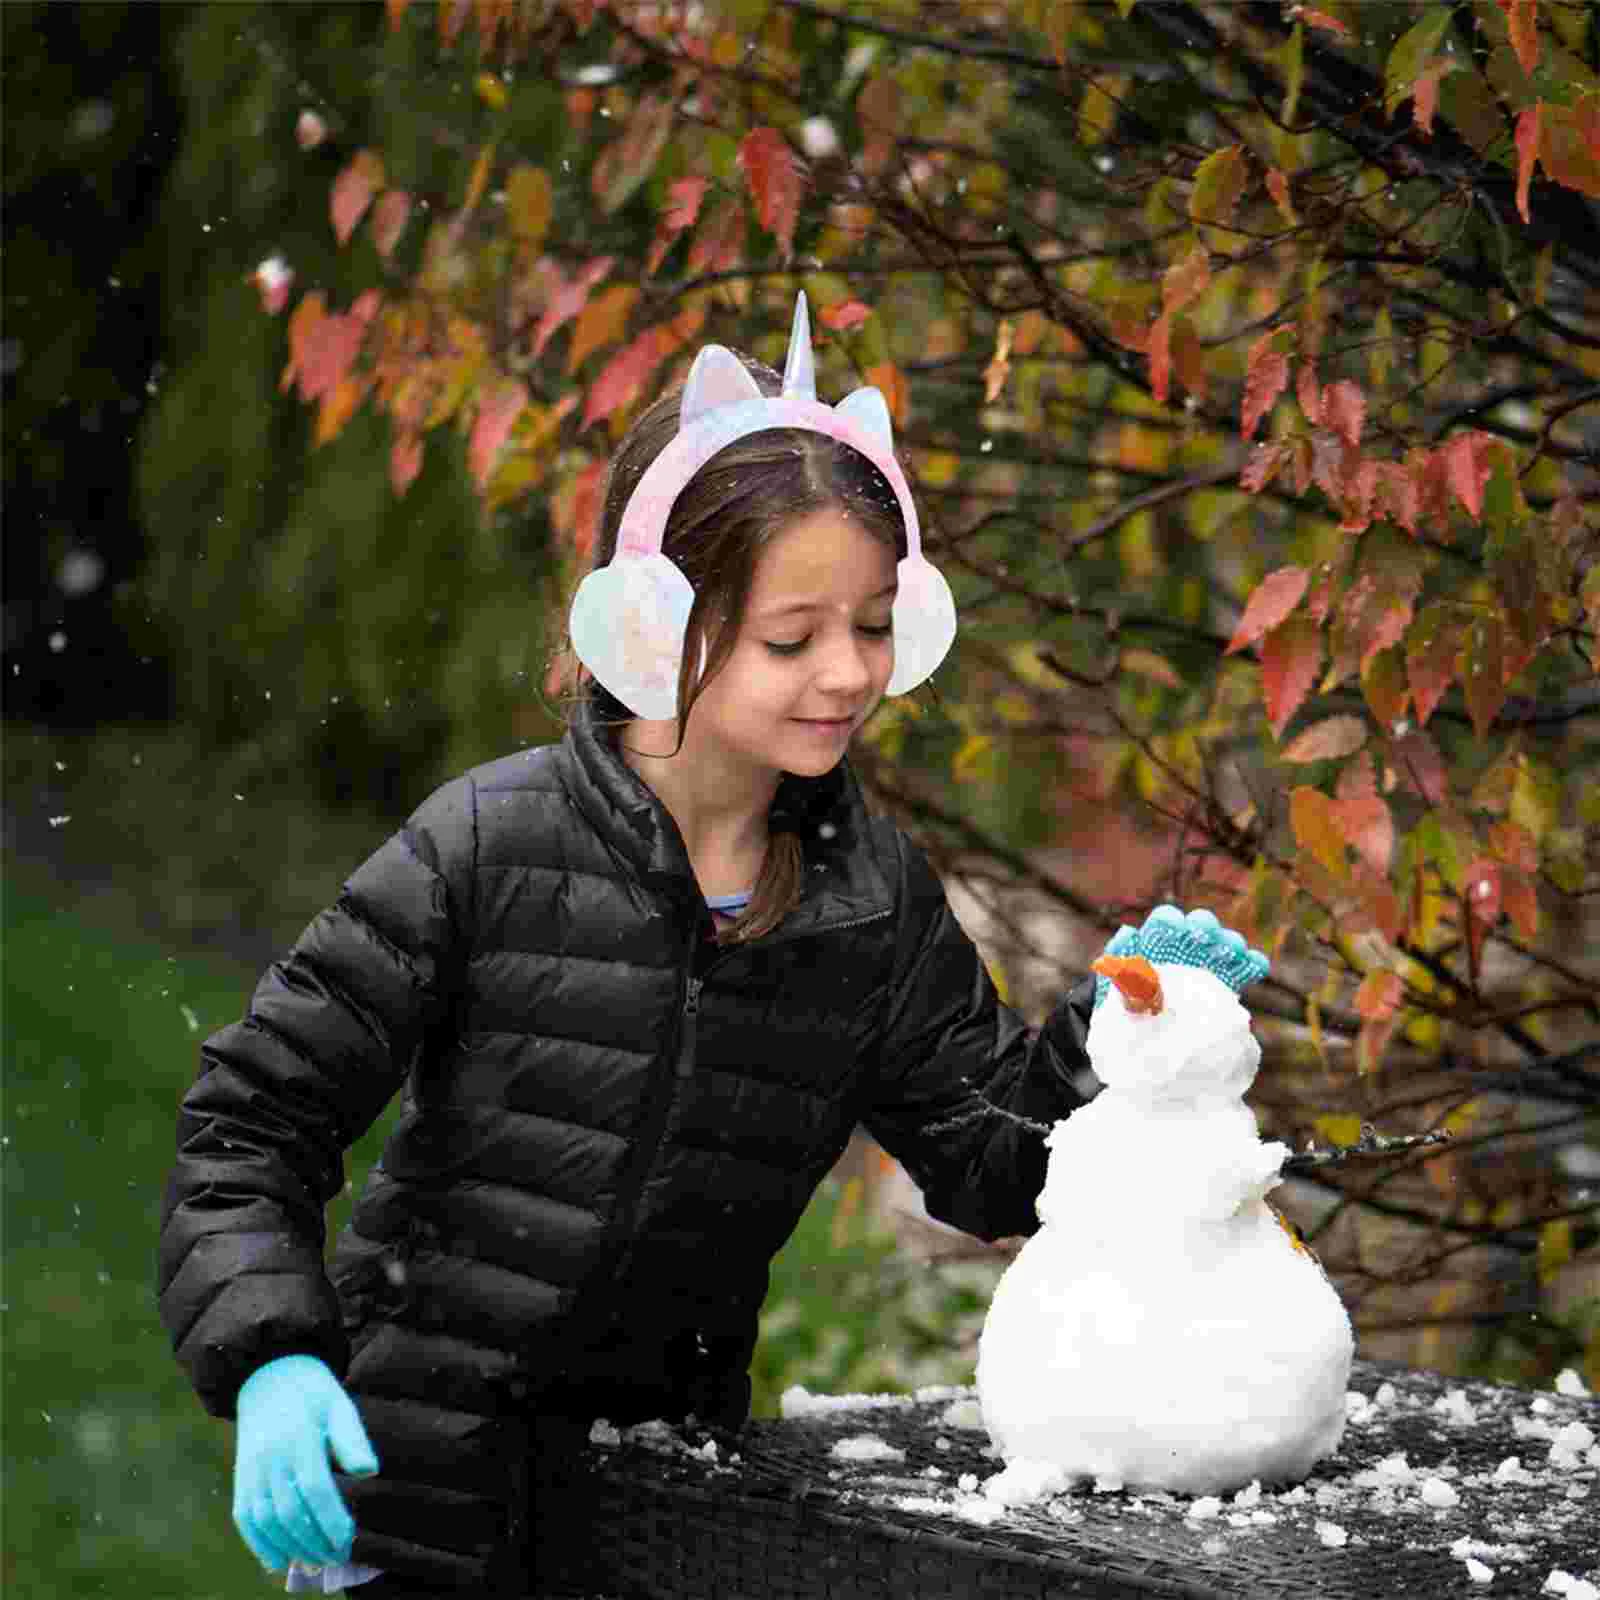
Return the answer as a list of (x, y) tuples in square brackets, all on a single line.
[(717, 378)]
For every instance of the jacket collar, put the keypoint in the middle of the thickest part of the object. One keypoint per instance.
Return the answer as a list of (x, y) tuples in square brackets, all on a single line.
[(843, 879)]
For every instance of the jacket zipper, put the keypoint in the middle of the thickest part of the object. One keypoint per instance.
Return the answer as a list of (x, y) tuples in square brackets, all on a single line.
[(689, 1028)]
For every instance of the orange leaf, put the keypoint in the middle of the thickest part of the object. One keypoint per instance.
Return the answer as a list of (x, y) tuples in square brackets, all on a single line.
[(588, 500), (1278, 188), (1270, 602), (1316, 830), (352, 192), (1188, 358), (1379, 995), (1186, 280), (601, 322), (1383, 682), (1266, 376), (396, 10), (846, 315), (567, 300), (498, 408), (888, 378), (389, 220), (1136, 980), (776, 183), (1523, 24), (1329, 740), (1527, 151), (405, 460), (1160, 352), (1426, 96), (1483, 672), (1372, 1041), (1307, 392), (1514, 845), (683, 206), (1291, 656)]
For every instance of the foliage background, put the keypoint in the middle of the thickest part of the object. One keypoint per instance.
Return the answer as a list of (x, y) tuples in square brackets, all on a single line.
[(236, 651)]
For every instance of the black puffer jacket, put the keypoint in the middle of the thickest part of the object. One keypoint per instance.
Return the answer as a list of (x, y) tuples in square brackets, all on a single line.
[(610, 1124)]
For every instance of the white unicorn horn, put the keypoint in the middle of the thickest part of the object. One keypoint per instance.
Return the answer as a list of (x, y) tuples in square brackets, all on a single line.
[(800, 370)]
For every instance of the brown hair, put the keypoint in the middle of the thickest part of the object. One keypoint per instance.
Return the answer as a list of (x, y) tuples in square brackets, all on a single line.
[(727, 514)]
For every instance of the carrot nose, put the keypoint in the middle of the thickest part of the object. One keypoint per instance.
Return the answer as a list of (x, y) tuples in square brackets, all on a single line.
[(1138, 982)]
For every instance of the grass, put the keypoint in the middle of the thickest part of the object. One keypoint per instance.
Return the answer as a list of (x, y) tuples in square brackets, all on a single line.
[(117, 1484)]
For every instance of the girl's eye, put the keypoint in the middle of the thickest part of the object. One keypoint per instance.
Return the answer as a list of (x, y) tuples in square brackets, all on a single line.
[(793, 649), (795, 646), (878, 630)]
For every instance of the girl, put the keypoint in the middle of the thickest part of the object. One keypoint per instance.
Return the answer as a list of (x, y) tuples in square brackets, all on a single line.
[(638, 988)]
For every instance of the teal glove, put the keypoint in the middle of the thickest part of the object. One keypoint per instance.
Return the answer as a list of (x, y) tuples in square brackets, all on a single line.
[(292, 1411), (1195, 940)]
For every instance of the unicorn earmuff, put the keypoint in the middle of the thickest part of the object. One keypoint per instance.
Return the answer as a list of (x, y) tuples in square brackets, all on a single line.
[(629, 617)]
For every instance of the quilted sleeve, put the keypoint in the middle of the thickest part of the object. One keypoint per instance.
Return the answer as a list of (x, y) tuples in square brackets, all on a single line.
[(330, 1033)]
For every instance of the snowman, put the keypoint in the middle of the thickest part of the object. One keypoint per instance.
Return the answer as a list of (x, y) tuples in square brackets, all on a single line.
[(1165, 1329)]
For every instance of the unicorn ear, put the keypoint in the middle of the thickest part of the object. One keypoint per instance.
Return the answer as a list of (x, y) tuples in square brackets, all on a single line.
[(871, 410), (717, 378)]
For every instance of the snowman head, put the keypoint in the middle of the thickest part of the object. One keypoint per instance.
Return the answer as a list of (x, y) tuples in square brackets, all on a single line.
[(1197, 1045)]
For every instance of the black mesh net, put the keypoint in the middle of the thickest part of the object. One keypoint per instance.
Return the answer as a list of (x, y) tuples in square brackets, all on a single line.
[(1421, 1500)]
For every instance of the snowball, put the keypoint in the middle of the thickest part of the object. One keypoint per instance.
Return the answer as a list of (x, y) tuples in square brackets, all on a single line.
[(1563, 1583), (1332, 1535), (798, 1401), (1478, 1572), (866, 1447), (1456, 1407), (1511, 1470), (1438, 1494), (1203, 1509), (1568, 1382)]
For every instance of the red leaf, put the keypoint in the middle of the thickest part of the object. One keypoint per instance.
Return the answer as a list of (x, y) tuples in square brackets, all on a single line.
[(1262, 467), (1270, 602), (1372, 1041), (1417, 760), (1431, 651), (1160, 350), (498, 409), (776, 183), (619, 382), (1360, 486), (1307, 392), (1266, 375), (405, 461), (683, 206), (327, 351), (1425, 101), (1188, 358), (1523, 25), (1466, 469), (1399, 495), (588, 501), (389, 220), (1480, 887), (1527, 151), (1379, 995), (1520, 897), (567, 300), (352, 192), (846, 315), (719, 240), (1363, 815), (1514, 845), (1291, 656), (1344, 409), (1321, 19)]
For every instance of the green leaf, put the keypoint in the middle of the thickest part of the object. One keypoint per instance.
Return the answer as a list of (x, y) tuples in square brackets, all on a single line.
[(1218, 182), (1294, 72), (1412, 52)]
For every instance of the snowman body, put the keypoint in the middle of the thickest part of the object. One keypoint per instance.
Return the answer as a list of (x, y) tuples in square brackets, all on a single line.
[(1163, 1329)]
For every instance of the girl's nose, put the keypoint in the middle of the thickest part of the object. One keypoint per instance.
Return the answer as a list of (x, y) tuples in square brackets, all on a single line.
[(845, 668)]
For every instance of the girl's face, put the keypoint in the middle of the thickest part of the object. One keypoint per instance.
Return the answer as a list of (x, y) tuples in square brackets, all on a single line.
[(814, 651)]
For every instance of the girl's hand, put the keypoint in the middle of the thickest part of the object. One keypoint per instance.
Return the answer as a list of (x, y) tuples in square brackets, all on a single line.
[(291, 1412), (1195, 940)]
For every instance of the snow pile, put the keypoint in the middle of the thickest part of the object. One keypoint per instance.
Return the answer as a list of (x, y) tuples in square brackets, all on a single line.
[(1163, 1329)]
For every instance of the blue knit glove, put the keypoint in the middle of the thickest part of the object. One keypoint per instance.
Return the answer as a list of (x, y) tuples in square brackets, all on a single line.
[(1195, 940), (291, 1412)]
